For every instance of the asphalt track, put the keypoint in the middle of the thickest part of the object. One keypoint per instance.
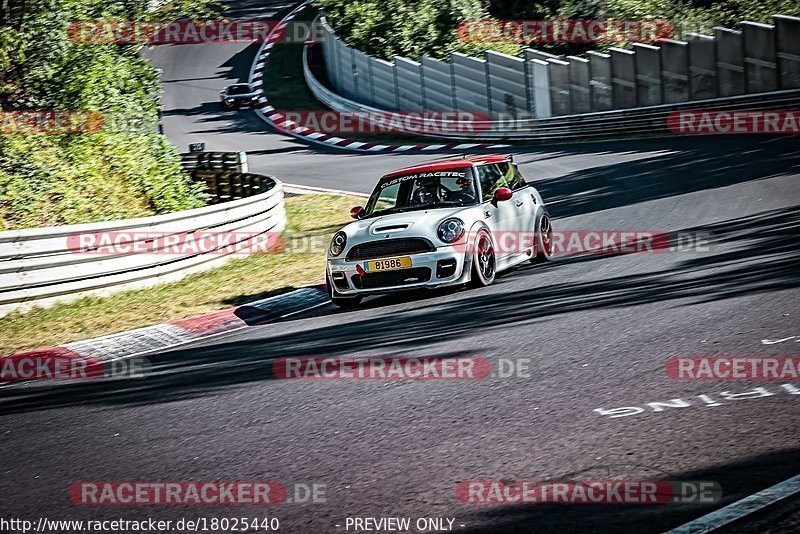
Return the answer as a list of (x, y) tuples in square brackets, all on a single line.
[(597, 330)]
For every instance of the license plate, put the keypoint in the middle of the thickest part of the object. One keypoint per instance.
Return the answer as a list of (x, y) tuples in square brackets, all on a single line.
[(389, 265)]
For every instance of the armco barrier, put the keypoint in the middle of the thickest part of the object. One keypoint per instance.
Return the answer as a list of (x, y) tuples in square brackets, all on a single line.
[(759, 59), (38, 267), (628, 122)]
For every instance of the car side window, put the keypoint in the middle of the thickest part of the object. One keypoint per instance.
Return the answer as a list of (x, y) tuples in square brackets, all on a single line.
[(491, 179), (512, 175)]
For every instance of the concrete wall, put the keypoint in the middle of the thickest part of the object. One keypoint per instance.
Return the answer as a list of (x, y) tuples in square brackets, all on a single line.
[(437, 80), (579, 88), (675, 71), (508, 91), (787, 45), (384, 90), (623, 82), (648, 74), (469, 77), (408, 77), (702, 66), (600, 82), (760, 67), (760, 58), (730, 62)]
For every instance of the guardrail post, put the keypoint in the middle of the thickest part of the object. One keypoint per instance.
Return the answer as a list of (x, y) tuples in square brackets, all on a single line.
[(787, 43), (675, 70), (730, 62), (702, 67)]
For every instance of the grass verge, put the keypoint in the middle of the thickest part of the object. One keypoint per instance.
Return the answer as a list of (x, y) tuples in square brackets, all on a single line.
[(311, 218)]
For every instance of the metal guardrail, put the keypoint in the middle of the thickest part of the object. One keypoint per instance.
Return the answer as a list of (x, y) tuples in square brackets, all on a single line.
[(39, 266), (602, 124)]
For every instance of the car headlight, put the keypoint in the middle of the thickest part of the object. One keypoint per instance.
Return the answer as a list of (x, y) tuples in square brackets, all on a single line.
[(337, 243), (229, 101), (451, 230)]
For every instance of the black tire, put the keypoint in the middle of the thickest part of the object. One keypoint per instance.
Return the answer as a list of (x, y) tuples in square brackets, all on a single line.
[(484, 263), (544, 235), (342, 302)]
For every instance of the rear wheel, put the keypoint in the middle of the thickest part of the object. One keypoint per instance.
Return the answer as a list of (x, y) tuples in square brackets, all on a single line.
[(341, 302), (484, 265), (544, 245)]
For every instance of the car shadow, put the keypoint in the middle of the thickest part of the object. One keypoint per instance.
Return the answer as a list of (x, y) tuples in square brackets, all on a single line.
[(761, 257)]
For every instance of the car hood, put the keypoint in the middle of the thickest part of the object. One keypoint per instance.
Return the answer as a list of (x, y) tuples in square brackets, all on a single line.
[(422, 223)]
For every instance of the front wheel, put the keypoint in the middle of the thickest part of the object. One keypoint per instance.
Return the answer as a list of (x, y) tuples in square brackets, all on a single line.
[(342, 302), (544, 235), (484, 264)]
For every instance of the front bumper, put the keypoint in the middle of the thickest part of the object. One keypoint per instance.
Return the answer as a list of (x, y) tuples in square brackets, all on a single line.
[(442, 267)]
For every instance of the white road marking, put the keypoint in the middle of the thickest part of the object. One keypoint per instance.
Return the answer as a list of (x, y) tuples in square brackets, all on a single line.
[(775, 341), (739, 509)]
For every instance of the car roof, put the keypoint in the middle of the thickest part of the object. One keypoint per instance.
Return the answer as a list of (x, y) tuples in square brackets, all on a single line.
[(449, 163)]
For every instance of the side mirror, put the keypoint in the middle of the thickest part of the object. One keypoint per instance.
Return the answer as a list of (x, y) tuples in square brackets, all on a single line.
[(357, 212), (503, 193)]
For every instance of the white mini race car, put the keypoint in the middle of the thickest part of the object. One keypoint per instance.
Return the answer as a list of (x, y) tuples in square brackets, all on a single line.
[(450, 222)]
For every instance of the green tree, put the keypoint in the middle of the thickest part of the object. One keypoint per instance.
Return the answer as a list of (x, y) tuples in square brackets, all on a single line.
[(126, 169)]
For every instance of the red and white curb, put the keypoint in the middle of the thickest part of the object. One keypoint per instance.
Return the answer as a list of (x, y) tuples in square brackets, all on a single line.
[(278, 121), (176, 333)]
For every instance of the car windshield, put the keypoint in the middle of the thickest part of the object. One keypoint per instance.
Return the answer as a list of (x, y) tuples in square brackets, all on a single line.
[(241, 89), (423, 190)]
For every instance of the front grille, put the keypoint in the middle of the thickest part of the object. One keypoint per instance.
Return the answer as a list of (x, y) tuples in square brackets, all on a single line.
[(392, 278), (390, 247)]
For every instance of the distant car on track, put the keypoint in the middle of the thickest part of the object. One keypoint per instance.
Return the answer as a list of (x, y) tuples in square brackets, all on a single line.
[(238, 95), (449, 222)]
